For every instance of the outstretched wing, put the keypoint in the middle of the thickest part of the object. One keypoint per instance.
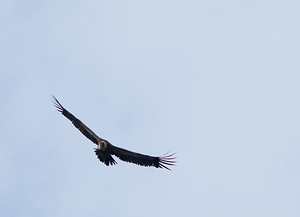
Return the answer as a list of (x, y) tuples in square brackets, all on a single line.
[(77, 123), (144, 160)]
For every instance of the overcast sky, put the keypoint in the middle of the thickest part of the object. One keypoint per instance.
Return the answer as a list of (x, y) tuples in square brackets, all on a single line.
[(217, 82)]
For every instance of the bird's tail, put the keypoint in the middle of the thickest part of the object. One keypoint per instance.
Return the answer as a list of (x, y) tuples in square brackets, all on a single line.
[(107, 159)]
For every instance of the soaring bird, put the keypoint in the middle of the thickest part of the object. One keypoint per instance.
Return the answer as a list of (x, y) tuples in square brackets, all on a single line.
[(105, 149)]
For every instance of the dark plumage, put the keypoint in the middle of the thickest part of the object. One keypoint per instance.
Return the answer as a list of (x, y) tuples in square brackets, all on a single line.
[(105, 149)]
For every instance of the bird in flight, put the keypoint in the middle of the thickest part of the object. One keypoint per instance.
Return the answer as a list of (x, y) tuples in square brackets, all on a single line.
[(105, 149)]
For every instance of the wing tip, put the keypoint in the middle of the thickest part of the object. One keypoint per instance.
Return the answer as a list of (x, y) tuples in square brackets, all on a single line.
[(57, 105), (167, 160)]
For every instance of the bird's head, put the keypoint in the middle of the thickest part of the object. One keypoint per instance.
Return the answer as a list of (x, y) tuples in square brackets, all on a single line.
[(102, 145)]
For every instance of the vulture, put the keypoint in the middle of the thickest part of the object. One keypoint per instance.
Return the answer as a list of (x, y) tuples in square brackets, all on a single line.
[(105, 150)]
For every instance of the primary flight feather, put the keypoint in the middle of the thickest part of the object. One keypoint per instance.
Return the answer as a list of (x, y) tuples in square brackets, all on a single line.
[(105, 149)]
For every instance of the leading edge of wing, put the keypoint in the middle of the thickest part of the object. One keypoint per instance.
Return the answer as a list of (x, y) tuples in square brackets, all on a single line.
[(144, 160), (76, 122)]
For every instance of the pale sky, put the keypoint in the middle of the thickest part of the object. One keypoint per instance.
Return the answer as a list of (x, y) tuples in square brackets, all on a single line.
[(217, 82)]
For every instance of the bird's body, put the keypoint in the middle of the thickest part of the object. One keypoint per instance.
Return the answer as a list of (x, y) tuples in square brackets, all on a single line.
[(105, 149)]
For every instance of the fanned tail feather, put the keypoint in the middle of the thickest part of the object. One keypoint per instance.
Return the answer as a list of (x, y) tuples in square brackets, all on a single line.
[(106, 159)]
